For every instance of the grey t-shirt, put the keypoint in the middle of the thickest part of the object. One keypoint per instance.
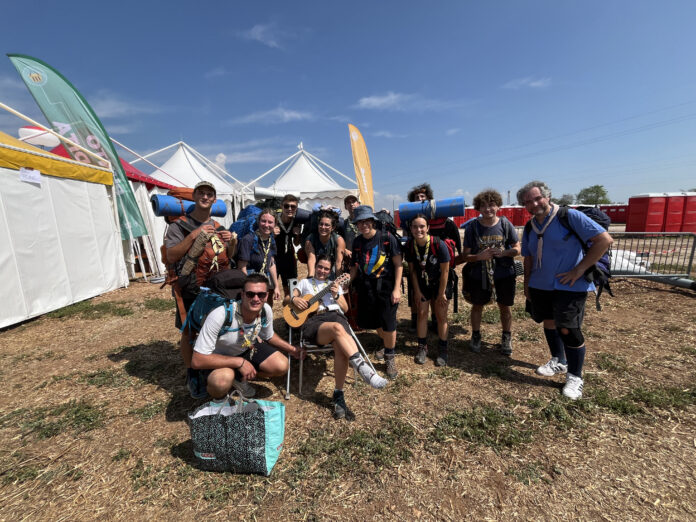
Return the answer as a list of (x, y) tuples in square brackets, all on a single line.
[(478, 237), (176, 232)]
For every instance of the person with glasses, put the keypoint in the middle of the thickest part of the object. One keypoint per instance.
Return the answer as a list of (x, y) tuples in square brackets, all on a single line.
[(287, 237), (178, 240), (554, 279), (257, 252), (327, 326), (248, 349)]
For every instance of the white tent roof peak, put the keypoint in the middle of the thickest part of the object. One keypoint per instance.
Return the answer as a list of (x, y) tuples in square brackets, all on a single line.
[(186, 167)]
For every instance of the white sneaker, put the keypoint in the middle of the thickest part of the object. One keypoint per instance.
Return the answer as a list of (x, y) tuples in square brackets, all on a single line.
[(552, 368), (573, 387)]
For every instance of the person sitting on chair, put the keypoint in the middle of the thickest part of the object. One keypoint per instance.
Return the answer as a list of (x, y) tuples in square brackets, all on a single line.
[(329, 326)]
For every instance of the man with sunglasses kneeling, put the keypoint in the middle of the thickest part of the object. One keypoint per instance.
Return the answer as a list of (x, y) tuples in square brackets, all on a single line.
[(248, 348)]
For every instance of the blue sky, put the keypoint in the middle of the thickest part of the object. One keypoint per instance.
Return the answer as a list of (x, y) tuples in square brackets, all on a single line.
[(464, 95)]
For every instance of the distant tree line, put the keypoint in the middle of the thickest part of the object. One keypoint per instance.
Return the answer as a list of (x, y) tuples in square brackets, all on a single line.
[(594, 195)]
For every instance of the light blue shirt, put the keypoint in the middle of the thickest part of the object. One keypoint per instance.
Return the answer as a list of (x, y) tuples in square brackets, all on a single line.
[(561, 252)]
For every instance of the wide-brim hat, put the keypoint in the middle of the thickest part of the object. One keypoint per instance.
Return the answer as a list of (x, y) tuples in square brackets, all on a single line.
[(205, 184), (363, 212)]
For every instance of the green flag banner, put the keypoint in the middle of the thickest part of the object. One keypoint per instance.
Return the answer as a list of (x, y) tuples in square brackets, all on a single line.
[(70, 115)]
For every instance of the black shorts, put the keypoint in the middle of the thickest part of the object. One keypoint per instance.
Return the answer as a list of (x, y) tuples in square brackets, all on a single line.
[(375, 309), (430, 292), (286, 268), (567, 309), (311, 327), (475, 294)]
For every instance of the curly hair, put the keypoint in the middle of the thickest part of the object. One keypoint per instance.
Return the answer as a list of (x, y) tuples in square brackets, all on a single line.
[(488, 196), (543, 188), (425, 187), (330, 214)]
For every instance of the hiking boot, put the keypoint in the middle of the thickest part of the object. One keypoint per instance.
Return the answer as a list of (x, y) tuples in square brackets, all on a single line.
[(341, 411), (421, 354), (506, 345), (552, 367), (196, 384), (391, 367), (243, 387), (379, 354), (441, 358), (475, 343), (573, 387)]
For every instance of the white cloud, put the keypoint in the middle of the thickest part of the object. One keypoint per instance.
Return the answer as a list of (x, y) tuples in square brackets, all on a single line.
[(277, 115), (267, 34), (388, 134), (462, 192), (110, 105), (263, 151), (404, 102), (528, 82), (452, 132), (217, 72), (125, 128)]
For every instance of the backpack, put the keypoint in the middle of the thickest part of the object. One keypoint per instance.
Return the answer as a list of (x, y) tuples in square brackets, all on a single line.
[(600, 273), (247, 221), (224, 290), (212, 259), (385, 221)]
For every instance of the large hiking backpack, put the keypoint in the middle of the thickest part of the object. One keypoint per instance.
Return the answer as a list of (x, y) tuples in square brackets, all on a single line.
[(600, 273), (385, 221), (247, 221), (207, 256), (222, 289)]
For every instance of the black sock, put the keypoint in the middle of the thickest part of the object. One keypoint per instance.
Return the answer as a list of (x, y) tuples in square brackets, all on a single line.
[(475, 333), (442, 345), (556, 345), (388, 351), (422, 341), (576, 358)]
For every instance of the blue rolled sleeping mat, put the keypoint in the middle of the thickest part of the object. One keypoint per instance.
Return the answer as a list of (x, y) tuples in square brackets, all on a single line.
[(432, 209), (163, 205)]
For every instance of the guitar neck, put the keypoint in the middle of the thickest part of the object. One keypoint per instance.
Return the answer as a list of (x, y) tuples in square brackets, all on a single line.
[(318, 296)]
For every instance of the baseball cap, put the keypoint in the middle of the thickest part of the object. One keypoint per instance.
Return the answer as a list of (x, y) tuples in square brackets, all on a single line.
[(205, 184)]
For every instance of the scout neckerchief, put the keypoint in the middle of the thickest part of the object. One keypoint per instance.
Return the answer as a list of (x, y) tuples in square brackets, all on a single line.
[(286, 230), (251, 334), (264, 248), (423, 261), (540, 232)]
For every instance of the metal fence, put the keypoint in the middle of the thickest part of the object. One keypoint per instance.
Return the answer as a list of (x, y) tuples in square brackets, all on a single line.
[(653, 255)]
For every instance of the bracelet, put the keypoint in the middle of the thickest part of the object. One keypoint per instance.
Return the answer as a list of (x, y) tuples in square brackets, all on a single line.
[(240, 366)]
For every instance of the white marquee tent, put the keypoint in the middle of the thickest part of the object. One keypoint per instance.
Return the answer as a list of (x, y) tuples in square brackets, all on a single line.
[(306, 176), (186, 167), (59, 231)]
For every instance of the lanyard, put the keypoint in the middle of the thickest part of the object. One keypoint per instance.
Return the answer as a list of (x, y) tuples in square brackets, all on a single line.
[(249, 335), (265, 249), (423, 261)]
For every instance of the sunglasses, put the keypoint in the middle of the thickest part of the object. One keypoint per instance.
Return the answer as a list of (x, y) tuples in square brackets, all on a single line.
[(260, 295), (289, 207)]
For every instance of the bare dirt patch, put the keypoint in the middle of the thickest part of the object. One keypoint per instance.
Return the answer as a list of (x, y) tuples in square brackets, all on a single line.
[(93, 407)]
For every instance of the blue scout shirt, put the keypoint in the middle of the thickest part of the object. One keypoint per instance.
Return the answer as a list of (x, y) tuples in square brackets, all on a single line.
[(561, 252)]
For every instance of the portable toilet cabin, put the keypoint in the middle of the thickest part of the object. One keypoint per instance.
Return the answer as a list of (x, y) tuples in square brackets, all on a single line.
[(646, 213), (674, 212), (689, 219)]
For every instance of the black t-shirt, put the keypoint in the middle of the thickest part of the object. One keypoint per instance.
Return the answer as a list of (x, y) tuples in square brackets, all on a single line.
[(252, 250), (502, 235), (284, 245), (373, 256), (414, 254)]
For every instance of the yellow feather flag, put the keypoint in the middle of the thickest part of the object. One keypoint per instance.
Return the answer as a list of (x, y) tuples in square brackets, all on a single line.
[(361, 162)]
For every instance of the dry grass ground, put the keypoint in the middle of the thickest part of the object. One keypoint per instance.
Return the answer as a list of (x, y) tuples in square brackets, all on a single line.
[(93, 405)]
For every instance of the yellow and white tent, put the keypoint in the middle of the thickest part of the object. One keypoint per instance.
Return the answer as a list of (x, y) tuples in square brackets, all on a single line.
[(59, 234)]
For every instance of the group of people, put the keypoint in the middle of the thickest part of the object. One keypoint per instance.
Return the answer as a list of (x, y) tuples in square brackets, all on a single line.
[(229, 352)]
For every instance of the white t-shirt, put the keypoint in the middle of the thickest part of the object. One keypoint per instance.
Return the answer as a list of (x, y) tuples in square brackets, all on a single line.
[(312, 286), (229, 343)]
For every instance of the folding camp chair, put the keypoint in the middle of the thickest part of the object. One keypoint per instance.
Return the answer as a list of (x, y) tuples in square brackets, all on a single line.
[(312, 348)]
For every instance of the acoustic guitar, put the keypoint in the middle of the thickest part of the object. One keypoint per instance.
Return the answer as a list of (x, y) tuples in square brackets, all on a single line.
[(296, 317)]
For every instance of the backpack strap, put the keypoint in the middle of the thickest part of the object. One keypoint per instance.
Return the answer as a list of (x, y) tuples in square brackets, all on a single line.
[(563, 219)]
